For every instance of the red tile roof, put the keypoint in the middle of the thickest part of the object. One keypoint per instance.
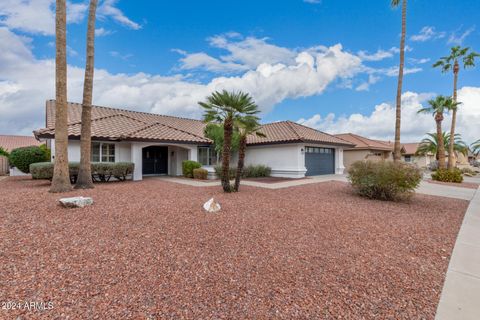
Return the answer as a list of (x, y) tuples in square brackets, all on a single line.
[(12, 142), (363, 143), (118, 124), (410, 148)]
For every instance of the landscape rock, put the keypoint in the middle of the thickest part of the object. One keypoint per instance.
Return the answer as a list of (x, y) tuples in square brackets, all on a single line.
[(211, 206), (76, 202)]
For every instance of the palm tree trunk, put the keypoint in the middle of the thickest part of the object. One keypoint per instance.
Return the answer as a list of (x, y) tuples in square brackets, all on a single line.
[(241, 162), (451, 163), (61, 177), (227, 143), (441, 145), (85, 172), (397, 155)]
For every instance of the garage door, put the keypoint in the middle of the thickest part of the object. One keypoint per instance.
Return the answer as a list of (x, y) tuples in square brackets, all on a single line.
[(319, 161)]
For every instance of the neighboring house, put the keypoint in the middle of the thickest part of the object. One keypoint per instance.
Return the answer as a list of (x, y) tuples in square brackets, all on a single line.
[(365, 149), (409, 155), (158, 144), (8, 143)]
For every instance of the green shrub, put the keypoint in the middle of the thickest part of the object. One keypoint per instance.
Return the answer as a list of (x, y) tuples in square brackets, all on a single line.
[(384, 180), (22, 158), (188, 166), (219, 172), (200, 173), (3, 152), (446, 175), (256, 171), (101, 171)]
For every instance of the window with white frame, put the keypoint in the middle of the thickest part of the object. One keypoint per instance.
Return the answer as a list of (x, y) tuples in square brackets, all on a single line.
[(103, 152), (207, 156)]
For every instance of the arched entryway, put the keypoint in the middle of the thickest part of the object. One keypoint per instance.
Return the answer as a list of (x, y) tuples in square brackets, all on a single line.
[(155, 160)]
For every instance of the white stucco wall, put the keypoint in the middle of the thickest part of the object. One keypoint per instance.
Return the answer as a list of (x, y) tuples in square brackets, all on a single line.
[(286, 160)]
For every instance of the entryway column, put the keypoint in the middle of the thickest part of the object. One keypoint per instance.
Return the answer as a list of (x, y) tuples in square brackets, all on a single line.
[(339, 167), (136, 156), (192, 154)]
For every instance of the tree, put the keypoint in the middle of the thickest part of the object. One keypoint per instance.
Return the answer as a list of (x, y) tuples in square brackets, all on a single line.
[(226, 108), (61, 178), (247, 125), (84, 180), (475, 147), (397, 149), (214, 132), (437, 107), (450, 63), (430, 144)]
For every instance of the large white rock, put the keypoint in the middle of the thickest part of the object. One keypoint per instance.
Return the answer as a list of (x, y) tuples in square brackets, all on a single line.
[(76, 202), (211, 206)]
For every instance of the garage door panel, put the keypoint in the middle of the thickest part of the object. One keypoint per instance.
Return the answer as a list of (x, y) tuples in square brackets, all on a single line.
[(319, 161)]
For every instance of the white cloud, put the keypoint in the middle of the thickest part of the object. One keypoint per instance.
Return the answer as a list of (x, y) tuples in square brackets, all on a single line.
[(380, 123), (28, 82), (203, 61), (108, 9), (377, 56), (419, 61), (427, 33), (101, 32), (458, 38), (313, 1), (38, 16)]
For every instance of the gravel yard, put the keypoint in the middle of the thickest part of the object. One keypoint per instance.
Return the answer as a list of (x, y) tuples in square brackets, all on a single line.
[(146, 250)]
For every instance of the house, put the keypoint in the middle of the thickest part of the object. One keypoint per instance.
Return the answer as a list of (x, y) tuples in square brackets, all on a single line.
[(158, 144), (365, 149), (8, 143), (409, 155)]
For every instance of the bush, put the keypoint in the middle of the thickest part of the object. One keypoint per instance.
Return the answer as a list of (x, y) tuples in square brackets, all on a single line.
[(3, 152), (256, 171), (433, 166), (22, 158), (445, 175), (469, 172), (101, 171), (219, 172), (384, 180), (200, 173), (188, 166)]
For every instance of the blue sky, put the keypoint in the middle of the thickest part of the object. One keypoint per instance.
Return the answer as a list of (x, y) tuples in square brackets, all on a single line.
[(194, 43)]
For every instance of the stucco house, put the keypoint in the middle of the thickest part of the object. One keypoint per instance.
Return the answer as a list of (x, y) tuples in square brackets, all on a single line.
[(158, 144), (409, 155), (365, 149)]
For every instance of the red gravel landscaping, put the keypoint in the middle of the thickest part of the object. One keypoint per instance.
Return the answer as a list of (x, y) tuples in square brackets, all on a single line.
[(146, 250)]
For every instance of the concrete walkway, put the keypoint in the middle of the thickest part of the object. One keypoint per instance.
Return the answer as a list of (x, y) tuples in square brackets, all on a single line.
[(425, 187), (460, 298)]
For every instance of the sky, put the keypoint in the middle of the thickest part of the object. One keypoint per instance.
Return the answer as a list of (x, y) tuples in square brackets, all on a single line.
[(328, 64)]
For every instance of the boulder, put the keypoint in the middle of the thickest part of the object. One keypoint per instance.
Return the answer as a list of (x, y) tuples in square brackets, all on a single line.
[(76, 202), (211, 206)]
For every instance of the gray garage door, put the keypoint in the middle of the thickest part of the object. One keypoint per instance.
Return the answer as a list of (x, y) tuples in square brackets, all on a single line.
[(319, 161)]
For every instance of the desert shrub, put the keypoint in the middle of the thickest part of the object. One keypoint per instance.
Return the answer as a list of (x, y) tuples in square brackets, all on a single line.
[(446, 175), (384, 180), (122, 169), (219, 172), (200, 173), (188, 166), (22, 158), (42, 170), (256, 171)]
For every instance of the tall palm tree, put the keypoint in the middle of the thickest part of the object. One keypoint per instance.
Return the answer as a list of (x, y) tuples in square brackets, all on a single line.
[(247, 126), (61, 177), (438, 107), (475, 147), (84, 180), (214, 132), (226, 108), (430, 144), (397, 149), (451, 63)]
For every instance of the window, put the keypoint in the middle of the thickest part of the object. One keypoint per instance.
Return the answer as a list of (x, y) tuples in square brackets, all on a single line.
[(103, 152), (207, 156), (408, 158), (317, 150)]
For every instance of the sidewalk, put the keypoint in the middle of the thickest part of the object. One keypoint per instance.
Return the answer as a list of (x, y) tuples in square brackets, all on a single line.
[(460, 298)]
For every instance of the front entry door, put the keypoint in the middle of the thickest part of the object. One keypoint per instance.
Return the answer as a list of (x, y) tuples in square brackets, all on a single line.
[(155, 160)]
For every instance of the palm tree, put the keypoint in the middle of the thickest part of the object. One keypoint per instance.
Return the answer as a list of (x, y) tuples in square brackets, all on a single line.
[(430, 144), (475, 147), (451, 63), (437, 107), (226, 108), (397, 149), (84, 180), (61, 177), (214, 132), (247, 126)]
